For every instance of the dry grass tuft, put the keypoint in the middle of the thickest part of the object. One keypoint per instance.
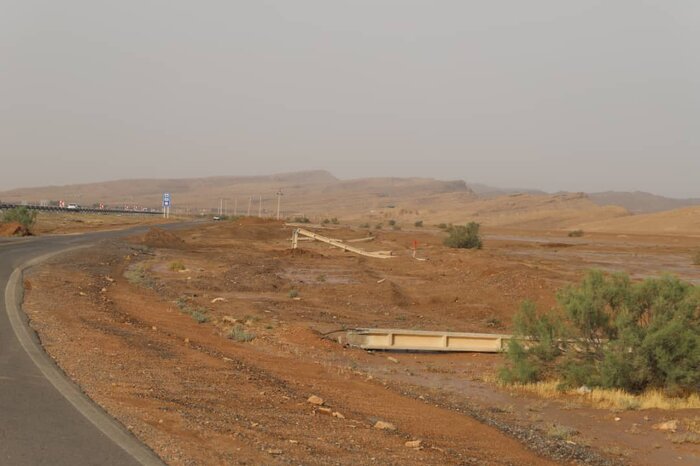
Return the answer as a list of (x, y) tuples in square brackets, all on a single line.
[(613, 398)]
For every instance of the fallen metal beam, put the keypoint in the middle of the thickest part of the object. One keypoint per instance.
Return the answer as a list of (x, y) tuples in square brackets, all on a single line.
[(419, 340), (338, 244)]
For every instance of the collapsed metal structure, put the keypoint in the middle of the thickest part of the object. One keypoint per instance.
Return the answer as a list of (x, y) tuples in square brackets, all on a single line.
[(420, 340), (338, 244)]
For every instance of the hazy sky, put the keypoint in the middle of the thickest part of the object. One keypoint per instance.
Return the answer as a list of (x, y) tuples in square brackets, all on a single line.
[(559, 95)]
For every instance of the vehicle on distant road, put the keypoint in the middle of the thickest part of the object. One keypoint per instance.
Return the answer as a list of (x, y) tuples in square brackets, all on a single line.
[(73, 206)]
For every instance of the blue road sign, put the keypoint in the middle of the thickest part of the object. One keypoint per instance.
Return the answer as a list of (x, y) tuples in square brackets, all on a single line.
[(166, 199)]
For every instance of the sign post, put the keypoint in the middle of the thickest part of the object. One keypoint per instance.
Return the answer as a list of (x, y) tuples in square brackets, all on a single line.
[(166, 205)]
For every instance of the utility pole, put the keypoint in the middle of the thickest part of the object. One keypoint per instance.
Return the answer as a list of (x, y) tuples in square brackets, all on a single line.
[(235, 207), (221, 207), (250, 202), (260, 206), (279, 200)]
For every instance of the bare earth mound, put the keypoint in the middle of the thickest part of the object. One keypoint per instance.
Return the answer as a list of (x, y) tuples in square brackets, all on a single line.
[(13, 229), (159, 238)]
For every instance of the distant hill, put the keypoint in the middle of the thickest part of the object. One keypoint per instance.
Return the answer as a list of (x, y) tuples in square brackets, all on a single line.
[(486, 191), (678, 221), (319, 195), (639, 202), (308, 193)]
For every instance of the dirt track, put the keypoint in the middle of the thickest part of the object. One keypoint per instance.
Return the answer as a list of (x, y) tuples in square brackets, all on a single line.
[(199, 398)]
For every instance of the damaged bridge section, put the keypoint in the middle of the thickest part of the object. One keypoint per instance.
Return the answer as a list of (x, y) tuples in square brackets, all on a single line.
[(419, 340)]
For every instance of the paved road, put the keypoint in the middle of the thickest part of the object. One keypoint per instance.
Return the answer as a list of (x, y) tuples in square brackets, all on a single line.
[(38, 423)]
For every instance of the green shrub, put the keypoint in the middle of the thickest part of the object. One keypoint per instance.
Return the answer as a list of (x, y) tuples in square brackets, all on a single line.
[(176, 266), (378, 226), (442, 226), (612, 333), (301, 220), (391, 223), (326, 221), (418, 223), (138, 275), (576, 234), (466, 237), (364, 225), (200, 315), (696, 258), (21, 215), (335, 221), (293, 293), (238, 333)]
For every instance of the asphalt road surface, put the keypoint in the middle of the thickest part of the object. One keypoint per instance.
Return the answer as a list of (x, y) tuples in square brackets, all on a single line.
[(44, 419)]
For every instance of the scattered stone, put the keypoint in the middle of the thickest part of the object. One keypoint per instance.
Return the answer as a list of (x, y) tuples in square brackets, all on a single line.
[(338, 415), (381, 281), (668, 426), (109, 279), (326, 411), (230, 320), (382, 425), (583, 390), (187, 340), (218, 300), (315, 400), (618, 419), (103, 290), (82, 294), (274, 451), (154, 328), (294, 441), (414, 443), (394, 360)]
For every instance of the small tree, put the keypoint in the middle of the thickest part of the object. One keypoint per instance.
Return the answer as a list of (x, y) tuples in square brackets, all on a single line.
[(612, 333), (21, 215), (466, 237), (418, 223)]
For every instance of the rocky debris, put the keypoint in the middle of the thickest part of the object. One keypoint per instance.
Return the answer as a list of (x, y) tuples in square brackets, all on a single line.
[(668, 426), (382, 425), (414, 444), (315, 400), (326, 411), (394, 360), (583, 390), (338, 415), (218, 300), (229, 320)]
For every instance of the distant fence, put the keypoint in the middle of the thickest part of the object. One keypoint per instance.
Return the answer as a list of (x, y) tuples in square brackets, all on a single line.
[(89, 210)]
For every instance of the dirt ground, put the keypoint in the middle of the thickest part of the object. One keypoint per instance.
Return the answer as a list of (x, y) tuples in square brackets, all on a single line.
[(63, 223), (156, 330)]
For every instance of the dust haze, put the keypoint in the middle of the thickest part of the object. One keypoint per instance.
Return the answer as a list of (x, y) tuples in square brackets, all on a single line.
[(585, 96)]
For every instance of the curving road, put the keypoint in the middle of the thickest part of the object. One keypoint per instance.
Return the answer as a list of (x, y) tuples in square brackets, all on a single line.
[(44, 418)]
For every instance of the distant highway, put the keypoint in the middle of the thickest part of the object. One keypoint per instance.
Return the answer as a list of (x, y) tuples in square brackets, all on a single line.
[(45, 419), (92, 210)]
